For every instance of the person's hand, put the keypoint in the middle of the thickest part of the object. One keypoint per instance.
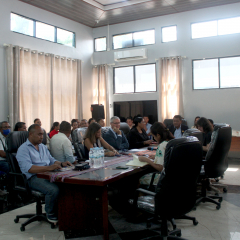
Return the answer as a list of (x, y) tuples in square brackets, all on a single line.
[(147, 142), (152, 157), (53, 167), (116, 130), (116, 152), (65, 164), (109, 154), (143, 159)]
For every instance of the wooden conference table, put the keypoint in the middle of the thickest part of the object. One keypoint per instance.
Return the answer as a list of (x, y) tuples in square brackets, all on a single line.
[(83, 200)]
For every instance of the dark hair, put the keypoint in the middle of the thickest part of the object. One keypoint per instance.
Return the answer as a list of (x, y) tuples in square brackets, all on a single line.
[(36, 120), (65, 127), (178, 116), (211, 121), (137, 120), (99, 119), (195, 124), (55, 124), (33, 127), (18, 125), (146, 116), (129, 118), (91, 131), (205, 124), (196, 118), (73, 121), (90, 119), (160, 128)]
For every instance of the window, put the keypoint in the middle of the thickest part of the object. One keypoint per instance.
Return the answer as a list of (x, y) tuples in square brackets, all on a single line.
[(215, 28), (216, 73), (134, 39), (169, 34), (140, 78), (34, 28), (100, 44)]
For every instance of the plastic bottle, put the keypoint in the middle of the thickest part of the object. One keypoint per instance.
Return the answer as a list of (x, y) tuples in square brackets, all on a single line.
[(95, 157), (91, 156), (102, 156)]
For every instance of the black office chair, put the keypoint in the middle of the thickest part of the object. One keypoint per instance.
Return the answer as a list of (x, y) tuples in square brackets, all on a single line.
[(77, 140), (19, 181), (216, 162), (175, 194), (194, 132), (125, 128)]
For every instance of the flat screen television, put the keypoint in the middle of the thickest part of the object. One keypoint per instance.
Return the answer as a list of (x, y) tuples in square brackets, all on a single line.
[(134, 108)]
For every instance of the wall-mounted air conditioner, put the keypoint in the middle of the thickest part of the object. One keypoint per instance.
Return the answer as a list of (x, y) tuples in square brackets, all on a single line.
[(128, 55)]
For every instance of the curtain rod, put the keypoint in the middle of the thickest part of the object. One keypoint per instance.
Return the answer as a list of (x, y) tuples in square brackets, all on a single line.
[(109, 64), (157, 59)]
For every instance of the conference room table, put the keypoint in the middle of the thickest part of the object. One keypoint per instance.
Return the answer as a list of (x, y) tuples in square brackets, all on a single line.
[(83, 200)]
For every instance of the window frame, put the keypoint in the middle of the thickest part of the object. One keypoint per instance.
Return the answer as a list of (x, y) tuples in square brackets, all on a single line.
[(219, 75), (166, 27), (34, 30), (119, 34), (134, 78), (95, 44)]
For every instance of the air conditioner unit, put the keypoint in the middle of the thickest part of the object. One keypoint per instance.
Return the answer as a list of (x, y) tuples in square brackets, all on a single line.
[(128, 55)]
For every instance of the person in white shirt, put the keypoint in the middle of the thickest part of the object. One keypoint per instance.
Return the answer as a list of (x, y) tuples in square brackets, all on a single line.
[(60, 145)]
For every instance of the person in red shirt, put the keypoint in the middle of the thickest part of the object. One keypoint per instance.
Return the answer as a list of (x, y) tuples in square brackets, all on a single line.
[(55, 129)]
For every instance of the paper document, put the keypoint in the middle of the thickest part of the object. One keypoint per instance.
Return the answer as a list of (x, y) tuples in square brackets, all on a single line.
[(135, 162)]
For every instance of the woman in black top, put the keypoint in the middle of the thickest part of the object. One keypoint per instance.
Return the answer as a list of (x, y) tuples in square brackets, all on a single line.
[(207, 129), (137, 136)]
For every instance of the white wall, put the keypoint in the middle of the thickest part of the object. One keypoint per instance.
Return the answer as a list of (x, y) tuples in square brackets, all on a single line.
[(222, 104), (83, 50)]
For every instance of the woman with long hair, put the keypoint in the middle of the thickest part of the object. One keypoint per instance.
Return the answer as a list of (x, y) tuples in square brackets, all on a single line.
[(195, 122), (162, 135), (54, 129), (93, 138), (137, 136), (205, 126)]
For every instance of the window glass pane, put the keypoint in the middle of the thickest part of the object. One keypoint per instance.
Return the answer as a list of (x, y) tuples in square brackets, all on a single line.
[(122, 41), (229, 26), (230, 72), (100, 44), (169, 34), (205, 29), (144, 37), (145, 78), (45, 31), (205, 74), (124, 80), (21, 25), (65, 37)]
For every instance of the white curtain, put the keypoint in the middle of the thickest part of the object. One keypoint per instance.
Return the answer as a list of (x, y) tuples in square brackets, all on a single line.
[(170, 87), (42, 86), (100, 89)]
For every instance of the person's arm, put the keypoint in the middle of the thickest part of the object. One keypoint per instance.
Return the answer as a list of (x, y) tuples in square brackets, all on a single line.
[(67, 149), (158, 167), (124, 144), (205, 148), (88, 144), (107, 146), (39, 169), (2, 154)]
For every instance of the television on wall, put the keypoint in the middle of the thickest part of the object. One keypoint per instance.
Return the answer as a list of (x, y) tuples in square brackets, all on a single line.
[(134, 108)]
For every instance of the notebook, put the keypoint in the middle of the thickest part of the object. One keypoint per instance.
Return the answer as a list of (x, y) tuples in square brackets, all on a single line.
[(135, 162)]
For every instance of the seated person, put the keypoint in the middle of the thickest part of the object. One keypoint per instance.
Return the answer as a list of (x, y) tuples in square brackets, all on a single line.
[(37, 121), (20, 126), (79, 123), (33, 157), (91, 120), (54, 129), (147, 125), (162, 135), (101, 122), (195, 122), (60, 145), (84, 123), (74, 126), (114, 136), (205, 126), (129, 121), (93, 139), (4, 131), (211, 122), (137, 136), (177, 129)]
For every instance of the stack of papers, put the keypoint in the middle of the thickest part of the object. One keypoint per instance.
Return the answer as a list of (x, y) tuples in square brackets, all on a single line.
[(135, 162)]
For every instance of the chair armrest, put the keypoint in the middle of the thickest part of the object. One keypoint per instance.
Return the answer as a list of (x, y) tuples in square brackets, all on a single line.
[(152, 180), (24, 179), (146, 191)]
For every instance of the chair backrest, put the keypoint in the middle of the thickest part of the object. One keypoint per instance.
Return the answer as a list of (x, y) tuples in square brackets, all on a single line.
[(194, 132), (104, 129), (124, 127), (78, 135), (169, 122), (176, 189), (216, 158)]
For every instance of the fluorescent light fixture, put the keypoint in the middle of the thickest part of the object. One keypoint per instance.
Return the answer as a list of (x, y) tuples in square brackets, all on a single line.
[(232, 169)]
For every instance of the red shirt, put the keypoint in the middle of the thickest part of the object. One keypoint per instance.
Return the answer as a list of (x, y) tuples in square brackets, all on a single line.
[(52, 133)]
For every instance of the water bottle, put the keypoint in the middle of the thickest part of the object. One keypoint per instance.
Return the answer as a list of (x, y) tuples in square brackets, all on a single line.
[(95, 157), (91, 160), (102, 156)]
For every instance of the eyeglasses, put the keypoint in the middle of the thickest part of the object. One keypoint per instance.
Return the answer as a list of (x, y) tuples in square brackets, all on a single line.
[(116, 123), (7, 127)]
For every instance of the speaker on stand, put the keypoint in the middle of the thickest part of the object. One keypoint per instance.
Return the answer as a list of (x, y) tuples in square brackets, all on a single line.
[(97, 111)]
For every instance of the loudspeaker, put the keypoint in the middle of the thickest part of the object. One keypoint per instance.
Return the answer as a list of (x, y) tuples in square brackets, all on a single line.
[(97, 111)]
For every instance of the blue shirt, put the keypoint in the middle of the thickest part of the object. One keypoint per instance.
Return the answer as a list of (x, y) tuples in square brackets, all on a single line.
[(148, 126), (177, 133), (28, 155)]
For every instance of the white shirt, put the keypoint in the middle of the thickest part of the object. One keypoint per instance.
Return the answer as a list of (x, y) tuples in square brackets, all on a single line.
[(1, 145), (177, 133), (61, 148)]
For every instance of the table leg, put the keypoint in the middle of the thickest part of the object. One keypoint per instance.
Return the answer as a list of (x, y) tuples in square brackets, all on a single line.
[(105, 213)]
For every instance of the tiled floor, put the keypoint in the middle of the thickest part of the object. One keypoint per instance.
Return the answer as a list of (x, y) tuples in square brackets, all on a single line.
[(213, 224)]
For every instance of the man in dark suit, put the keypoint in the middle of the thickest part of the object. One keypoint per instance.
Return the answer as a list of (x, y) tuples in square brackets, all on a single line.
[(177, 129), (114, 136)]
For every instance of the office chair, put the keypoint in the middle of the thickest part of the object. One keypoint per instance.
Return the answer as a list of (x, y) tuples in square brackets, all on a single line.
[(194, 132), (175, 193), (216, 161), (19, 181), (125, 128)]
